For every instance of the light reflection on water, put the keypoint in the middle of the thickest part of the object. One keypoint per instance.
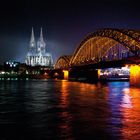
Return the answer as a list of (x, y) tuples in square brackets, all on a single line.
[(55, 109), (131, 114), (65, 116)]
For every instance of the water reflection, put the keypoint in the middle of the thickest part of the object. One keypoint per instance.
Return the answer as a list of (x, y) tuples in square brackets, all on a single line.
[(64, 96), (127, 99), (69, 110), (125, 105), (131, 115), (65, 116)]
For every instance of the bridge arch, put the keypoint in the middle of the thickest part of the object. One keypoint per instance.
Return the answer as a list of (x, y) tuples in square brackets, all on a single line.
[(101, 44), (63, 62)]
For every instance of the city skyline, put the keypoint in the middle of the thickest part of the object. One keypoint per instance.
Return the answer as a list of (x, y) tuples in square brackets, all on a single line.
[(64, 23)]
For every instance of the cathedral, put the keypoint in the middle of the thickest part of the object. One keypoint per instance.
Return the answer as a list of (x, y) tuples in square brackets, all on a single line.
[(37, 55)]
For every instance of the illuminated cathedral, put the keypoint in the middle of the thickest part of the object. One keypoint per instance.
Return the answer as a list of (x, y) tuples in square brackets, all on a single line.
[(37, 55)]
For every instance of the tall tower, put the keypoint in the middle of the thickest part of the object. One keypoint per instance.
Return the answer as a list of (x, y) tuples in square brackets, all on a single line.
[(32, 47), (41, 44)]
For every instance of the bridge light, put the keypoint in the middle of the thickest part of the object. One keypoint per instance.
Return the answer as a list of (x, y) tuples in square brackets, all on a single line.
[(66, 74), (45, 73), (99, 73), (135, 69), (56, 74), (135, 75), (127, 66)]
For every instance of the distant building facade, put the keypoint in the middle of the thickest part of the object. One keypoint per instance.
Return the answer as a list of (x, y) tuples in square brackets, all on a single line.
[(37, 55)]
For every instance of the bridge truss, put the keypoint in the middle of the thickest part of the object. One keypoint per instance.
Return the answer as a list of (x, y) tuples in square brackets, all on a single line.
[(103, 45), (63, 62)]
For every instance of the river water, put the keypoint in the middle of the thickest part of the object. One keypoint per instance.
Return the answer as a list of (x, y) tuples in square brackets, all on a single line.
[(59, 109)]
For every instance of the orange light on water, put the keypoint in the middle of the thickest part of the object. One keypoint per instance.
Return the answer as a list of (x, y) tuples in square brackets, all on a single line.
[(135, 75), (66, 74), (130, 112)]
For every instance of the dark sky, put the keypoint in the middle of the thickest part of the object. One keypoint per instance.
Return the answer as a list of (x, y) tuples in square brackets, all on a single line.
[(64, 23)]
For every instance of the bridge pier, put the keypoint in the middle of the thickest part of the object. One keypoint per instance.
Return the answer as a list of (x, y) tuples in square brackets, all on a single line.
[(57, 73), (84, 74), (66, 74), (135, 75)]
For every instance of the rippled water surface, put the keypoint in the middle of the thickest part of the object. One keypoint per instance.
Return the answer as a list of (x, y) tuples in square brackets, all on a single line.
[(69, 110)]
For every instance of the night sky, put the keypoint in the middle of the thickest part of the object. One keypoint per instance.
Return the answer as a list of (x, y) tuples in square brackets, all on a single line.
[(65, 23)]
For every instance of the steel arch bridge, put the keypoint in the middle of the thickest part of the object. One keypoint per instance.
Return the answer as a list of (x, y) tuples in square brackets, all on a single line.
[(103, 45)]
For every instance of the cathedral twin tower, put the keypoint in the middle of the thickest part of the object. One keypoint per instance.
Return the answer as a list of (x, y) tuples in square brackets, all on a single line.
[(37, 55)]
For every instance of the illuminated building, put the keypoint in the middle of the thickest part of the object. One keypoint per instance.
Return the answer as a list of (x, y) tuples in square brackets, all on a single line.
[(37, 55)]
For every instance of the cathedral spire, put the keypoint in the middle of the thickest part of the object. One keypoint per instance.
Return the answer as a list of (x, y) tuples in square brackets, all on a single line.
[(32, 36), (32, 47), (41, 35), (41, 43), (37, 55)]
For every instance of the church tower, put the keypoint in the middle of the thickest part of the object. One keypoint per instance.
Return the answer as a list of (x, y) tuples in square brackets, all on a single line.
[(32, 47), (41, 45), (37, 55)]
